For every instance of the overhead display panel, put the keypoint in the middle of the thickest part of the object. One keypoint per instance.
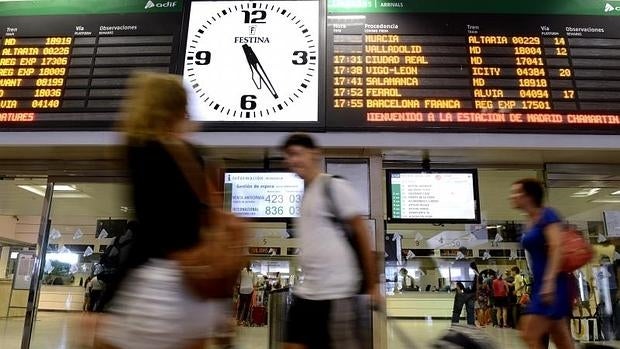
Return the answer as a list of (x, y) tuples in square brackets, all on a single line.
[(475, 65), (254, 62), (433, 197), (64, 63), (263, 195)]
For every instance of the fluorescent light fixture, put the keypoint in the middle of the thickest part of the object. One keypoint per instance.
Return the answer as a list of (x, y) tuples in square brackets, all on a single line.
[(64, 187), (69, 258), (71, 196), (606, 201), (127, 209), (617, 192), (34, 189), (61, 191), (584, 193)]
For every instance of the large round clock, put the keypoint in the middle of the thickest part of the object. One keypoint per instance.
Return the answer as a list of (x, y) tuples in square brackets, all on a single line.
[(253, 60)]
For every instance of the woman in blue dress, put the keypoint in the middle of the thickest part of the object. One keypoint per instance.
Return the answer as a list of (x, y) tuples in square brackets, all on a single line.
[(550, 303)]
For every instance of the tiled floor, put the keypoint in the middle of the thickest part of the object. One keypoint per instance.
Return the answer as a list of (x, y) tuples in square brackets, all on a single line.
[(74, 331)]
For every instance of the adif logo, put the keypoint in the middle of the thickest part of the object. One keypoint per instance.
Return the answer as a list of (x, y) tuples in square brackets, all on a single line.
[(150, 4), (610, 8)]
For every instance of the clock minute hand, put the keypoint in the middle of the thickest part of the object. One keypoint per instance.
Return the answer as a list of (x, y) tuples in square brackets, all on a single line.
[(257, 67)]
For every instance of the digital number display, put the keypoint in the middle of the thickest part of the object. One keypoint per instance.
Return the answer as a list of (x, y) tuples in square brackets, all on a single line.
[(387, 69), (70, 71), (23, 62), (269, 195)]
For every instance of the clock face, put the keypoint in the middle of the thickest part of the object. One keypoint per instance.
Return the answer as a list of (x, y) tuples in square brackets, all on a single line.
[(253, 60)]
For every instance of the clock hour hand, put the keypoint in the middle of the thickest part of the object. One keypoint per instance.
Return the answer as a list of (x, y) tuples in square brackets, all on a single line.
[(257, 69)]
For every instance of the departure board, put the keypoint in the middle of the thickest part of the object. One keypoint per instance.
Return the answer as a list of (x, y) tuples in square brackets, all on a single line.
[(69, 71), (473, 71)]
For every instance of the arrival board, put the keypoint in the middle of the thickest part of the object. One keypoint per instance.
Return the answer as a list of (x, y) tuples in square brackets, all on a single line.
[(473, 71)]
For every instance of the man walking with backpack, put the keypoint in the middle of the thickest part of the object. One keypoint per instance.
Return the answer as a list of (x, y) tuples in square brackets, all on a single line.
[(336, 258)]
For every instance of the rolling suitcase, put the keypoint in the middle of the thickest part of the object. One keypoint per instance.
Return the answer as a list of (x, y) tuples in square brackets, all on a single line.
[(259, 316), (456, 337)]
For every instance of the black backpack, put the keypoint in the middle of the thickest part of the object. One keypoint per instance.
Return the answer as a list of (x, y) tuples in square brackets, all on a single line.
[(345, 228), (114, 263)]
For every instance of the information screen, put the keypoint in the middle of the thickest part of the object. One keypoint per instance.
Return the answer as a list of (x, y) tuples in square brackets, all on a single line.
[(61, 69), (389, 65), (263, 195), (433, 197)]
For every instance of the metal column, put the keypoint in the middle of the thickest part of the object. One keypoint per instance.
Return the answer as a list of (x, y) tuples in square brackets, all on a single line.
[(377, 213), (37, 272)]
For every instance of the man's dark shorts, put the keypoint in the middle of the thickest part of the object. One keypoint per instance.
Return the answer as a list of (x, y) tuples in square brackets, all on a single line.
[(324, 324)]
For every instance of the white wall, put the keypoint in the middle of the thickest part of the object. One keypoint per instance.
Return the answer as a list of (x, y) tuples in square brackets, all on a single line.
[(7, 227)]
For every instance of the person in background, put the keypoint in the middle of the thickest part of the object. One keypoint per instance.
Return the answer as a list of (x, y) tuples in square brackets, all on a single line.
[(155, 307), (512, 298), (267, 290), (95, 288), (550, 304), (500, 294), (324, 311), (408, 283), (493, 309), (463, 297), (278, 283), (519, 286), (86, 294), (246, 288), (483, 294)]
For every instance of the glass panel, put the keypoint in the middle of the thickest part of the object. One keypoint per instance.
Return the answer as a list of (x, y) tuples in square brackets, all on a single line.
[(85, 218), (423, 265), (356, 173), (21, 202), (594, 211)]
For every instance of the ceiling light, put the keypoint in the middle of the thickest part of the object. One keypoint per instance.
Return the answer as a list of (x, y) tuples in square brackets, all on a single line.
[(61, 191), (127, 209), (67, 257), (71, 196), (585, 193), (64, 187), (606, 201), (34, 189), (615, 193)]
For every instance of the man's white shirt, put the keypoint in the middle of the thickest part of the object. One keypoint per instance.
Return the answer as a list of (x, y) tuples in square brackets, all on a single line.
[(329, 264)]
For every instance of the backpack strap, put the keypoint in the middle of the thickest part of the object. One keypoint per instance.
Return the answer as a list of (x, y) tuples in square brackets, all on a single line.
[(334, 214), (332, 207), (343, 226)]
